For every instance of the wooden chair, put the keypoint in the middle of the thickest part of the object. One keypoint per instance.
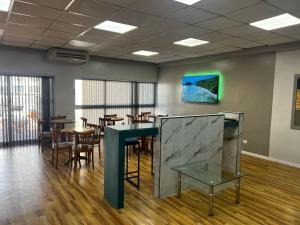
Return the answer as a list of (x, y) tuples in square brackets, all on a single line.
[(108, 116), (84, 144), (58, 117), (44, 137), (84, 121), (59, 146), (145, 115), (131, 119), (98, 134)]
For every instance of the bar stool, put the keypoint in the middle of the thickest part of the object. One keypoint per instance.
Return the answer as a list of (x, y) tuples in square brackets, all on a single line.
[(132, 142)]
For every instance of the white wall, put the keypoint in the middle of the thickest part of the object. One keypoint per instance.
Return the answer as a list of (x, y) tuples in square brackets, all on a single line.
[(33, 62), (284, 142)]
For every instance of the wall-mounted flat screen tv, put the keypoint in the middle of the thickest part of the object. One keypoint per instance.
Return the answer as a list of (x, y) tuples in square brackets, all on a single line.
[(202, 88)]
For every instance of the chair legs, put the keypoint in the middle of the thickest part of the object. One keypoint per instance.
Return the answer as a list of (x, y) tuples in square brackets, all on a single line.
[(127, 173)]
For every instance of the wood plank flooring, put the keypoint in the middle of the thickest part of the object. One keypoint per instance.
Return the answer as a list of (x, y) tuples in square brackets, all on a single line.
[(33, 192)]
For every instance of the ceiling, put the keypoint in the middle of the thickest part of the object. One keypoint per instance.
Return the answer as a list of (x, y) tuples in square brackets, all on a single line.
[(42, 24)]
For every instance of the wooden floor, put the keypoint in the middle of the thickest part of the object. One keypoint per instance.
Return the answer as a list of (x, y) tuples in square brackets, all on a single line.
[(33, 192)]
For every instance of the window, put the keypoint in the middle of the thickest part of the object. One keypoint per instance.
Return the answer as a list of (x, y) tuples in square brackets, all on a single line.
[(95, 98)]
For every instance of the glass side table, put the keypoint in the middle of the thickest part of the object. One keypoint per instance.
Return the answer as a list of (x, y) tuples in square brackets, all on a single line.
[(211, 176)]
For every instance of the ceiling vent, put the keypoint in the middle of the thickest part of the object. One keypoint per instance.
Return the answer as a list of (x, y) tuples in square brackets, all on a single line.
[(67, 55)]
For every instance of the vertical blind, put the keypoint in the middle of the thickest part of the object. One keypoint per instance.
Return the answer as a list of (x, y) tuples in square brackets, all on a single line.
[(23, 100), (95, 98)]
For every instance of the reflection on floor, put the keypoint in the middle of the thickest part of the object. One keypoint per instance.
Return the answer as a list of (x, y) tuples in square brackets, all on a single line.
[(33, 192)]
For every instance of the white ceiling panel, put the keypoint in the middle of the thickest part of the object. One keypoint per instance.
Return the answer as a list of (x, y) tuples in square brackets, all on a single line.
[(120, 2), (93, 8), (57, 4), (191, 15), (232, 41), (288, 5), (241, 30), (78, 19), (133, 17), (219, 23), (43, 24), (35, 10), (278, 40), (67, 27), (263, 35), (30, 20), (288, 30), (224, 6), (214, 37), (254, 13), (58, 34), (157, 7)]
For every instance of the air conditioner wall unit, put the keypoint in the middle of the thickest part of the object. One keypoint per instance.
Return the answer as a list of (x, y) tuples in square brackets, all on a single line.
[(67, 55)]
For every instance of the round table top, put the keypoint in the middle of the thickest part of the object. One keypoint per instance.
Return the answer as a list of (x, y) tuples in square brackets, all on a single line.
[(77, 129), (62, 121)]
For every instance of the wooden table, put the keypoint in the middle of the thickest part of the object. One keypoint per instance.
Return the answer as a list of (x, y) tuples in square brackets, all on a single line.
[(62, 122), (74, 131)]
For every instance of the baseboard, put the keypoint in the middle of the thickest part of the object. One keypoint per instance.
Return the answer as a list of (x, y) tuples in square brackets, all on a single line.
[(296, 165)]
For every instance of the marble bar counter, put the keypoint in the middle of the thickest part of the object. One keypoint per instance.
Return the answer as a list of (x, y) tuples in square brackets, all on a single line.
[(114, 158), (183, 140)]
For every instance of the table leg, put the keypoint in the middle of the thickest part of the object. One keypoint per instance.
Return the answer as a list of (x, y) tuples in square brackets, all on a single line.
[(211, 201), (237, 193), (179, 186)]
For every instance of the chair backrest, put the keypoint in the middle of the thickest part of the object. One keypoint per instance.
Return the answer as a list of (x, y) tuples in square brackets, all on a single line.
[(110, 115), (131, 119), (97, 128), (84, 121), (58, 117), (102, 123), (84, 139)]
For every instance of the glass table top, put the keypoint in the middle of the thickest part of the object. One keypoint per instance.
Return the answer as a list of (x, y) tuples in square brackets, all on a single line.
[(208, 173)]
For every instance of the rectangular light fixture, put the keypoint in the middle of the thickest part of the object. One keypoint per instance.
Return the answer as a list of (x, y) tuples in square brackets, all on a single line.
[(115, 27), (145, 53), (188, 2), (276, 22), (82, 44), (191, 42), (1, 32), (4, 5)]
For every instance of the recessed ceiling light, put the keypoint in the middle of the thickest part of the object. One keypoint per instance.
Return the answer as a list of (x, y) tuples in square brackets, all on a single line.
[(4, 5), (115, 27), (82, 44), (145, 53), (188, 2), (191, 42), (1, 32), (276, 22)]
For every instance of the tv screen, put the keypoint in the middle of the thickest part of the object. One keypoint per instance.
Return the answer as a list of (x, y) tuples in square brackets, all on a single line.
[(202, 88)]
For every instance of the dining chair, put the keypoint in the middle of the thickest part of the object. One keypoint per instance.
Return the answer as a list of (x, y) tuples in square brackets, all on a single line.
[(84, 121), (57, 145), (131, 119), (110, 115), (44, 137), (98, 134), (58, 117), (84, 144)]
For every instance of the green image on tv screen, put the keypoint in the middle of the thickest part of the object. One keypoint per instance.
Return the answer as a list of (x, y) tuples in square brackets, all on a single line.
[(202, 89)]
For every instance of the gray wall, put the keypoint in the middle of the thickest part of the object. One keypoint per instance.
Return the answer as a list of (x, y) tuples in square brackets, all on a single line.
[(284, 141), (27, 61), (248, 88)]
